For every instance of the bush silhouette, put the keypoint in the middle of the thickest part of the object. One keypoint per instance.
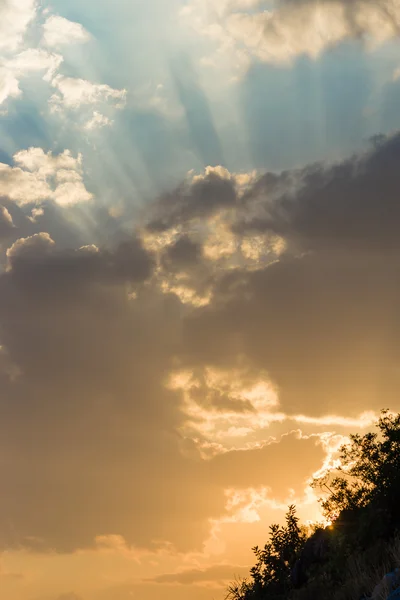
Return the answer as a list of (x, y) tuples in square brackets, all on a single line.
[(271, 575)]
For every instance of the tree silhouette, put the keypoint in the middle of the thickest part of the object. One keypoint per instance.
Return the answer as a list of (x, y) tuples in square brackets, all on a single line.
[(271, 575), (369, 475)]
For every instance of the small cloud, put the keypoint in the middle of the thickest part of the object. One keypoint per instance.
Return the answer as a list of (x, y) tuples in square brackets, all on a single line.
[(73, 93), (35, 214), (58, 31), (98, 121)]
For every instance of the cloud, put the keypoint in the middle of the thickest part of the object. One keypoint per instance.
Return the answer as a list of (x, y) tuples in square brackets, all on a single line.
[(151, 378), (319, 319), (17, 64), (97, 121), (37, 59), (129, 412), (128, 262), (84, 97), (73, 93), (15, 16), (351, 204), (92, 362), (289, 28), (40, 176), (6, 222), (34, 246), (9, 85), (22, 65), (200, 197), (183, 252), (58, 31), (217, 574)]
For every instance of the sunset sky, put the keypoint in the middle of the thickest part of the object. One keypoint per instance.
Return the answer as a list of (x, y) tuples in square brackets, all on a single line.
[(199, 279)]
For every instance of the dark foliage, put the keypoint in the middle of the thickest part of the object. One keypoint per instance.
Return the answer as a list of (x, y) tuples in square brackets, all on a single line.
[(271, 576)]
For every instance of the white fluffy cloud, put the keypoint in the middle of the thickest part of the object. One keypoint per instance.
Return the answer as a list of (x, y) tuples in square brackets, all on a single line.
[(40, 176), (58, 31), (15, 16), (35, 59), (24, 64), (98, 121), (74, 92), (19, 60)]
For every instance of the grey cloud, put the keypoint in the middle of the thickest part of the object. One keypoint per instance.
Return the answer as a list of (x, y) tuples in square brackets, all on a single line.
[(200, 199), (30, 248), (89, 433), (322, 321), (128, 262), (183, 253), (323, 326), (347, 205), (88, 398)]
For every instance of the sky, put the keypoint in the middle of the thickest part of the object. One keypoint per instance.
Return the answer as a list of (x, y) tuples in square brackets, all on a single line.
[(199, 280)]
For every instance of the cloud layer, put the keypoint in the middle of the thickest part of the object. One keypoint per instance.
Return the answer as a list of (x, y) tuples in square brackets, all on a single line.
[(112, 378)]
